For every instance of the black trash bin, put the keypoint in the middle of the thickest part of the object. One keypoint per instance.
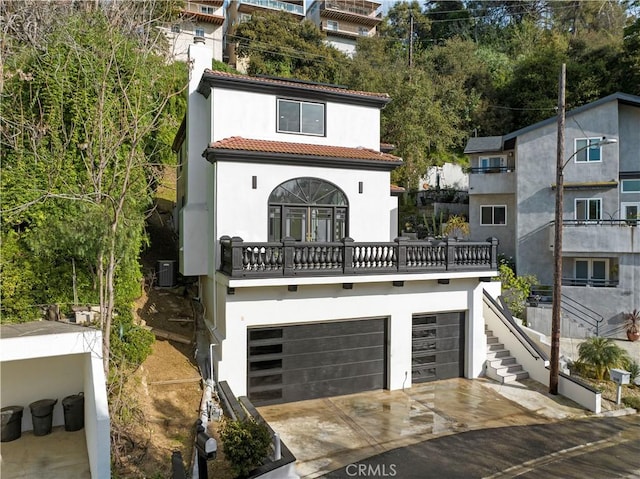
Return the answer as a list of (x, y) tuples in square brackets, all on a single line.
[(42, 416), (11, 423), (73, 407)]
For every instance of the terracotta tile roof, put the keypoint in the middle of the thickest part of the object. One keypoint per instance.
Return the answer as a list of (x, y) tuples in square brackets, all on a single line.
[(296, 84), (302, 149), (397, 189)]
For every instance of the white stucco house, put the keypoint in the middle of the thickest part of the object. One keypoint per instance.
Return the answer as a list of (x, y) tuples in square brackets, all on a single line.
[(53, 360), (287, 219)]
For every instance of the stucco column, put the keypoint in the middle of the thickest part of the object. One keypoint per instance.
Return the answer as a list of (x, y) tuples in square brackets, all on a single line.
[(399, 350), (232, 366), (475, 338)]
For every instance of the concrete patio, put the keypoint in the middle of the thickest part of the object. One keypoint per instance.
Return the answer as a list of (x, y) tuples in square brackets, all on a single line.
[(59, 455)]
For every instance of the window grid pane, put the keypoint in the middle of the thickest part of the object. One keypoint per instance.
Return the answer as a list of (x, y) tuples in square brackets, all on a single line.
[(631, 186), (289, 116)]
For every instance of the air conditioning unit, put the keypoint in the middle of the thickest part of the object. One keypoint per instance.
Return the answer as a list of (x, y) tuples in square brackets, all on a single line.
[(166, 273)]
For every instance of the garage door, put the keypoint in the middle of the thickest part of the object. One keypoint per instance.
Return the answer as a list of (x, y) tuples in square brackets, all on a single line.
[(294, 363), (437, 346)]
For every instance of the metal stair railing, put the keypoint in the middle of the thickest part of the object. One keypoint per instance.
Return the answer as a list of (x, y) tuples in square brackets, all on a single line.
[(581, 312)]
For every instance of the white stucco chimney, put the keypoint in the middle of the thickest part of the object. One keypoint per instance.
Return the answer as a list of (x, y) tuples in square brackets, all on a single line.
[(194, 250)]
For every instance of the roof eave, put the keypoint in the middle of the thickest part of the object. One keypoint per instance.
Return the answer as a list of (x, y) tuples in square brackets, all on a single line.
[(209, 81), (249, 156)]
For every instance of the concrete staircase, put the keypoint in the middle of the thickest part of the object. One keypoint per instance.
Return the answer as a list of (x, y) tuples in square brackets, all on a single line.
[(500, 365)]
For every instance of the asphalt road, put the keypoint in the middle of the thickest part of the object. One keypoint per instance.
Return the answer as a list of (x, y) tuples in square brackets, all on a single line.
[(591, 448)]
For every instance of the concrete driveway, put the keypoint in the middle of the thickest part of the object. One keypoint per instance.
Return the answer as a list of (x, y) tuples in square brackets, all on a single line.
[(329, 434)]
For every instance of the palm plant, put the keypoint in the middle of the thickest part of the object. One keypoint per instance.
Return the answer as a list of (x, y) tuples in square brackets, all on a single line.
[(632, 325), (602, 354)]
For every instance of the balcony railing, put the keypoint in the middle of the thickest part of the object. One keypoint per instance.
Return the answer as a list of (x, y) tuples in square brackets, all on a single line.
[(349, 7), (491, 169), (629, 222), (276, 5), (293, 258)]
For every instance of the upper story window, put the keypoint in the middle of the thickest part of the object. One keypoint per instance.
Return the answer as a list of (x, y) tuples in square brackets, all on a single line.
[(588, 150), (493, 215), (630, 186), (175, 28), (199, 32), (332, 25), (363, 31), (491, 164), (307, 209), (588, 209), (207, 10), (301, 117)]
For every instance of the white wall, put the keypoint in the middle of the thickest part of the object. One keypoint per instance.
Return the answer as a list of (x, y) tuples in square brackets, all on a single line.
[(193, 218), (269, 306), (53, 366), (243, 211), (253, 115), (29, 380)]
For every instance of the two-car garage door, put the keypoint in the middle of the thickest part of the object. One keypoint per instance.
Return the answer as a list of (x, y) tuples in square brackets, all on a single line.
[(307, 361), (294, 363)]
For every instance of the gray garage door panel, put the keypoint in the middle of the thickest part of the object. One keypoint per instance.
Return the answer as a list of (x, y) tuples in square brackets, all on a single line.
[(437, 346), (294, 363)]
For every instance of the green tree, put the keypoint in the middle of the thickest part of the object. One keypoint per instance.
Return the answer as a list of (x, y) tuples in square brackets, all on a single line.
[(279, 45), (82, 133), (449, 19), (602, 354)]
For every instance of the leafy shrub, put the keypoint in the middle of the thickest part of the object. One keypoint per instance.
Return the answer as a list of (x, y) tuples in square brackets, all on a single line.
[(632, 401), (602, 354), (245, 444), (515, 289), (130, 343), (634, 369)]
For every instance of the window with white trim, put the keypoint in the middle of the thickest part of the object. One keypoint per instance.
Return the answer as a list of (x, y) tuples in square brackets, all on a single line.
[(588, 209), (333, 25), (207, 10), (199, 32), (491, 164), (591, 271), (630, 211), (630, 186), (493, 215), (588, 150), (363, 31), (301, 117)]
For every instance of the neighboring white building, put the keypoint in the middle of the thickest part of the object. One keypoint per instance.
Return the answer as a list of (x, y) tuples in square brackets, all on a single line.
[(447, 176), (52, 360), (344, 21), (275, 177), (198, 18)]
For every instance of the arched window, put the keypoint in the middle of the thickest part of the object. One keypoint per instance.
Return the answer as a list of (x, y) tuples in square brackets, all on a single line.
[(307, 209)]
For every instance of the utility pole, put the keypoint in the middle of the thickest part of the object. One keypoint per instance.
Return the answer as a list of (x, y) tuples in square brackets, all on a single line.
[(557, 241)]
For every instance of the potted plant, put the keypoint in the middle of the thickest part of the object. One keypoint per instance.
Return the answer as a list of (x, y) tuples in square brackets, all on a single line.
[(456, 226), (632, 325)]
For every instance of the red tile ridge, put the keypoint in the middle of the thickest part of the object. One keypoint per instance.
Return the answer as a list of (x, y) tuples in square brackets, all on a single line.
[(301, 84), (303, 149)]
